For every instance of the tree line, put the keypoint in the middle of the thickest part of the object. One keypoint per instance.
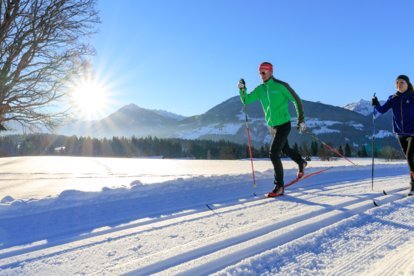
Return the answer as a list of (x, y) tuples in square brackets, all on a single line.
[(365, 150), (50, 144)]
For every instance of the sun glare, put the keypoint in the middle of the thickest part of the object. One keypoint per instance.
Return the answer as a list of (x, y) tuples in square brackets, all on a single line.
[(89, 99)]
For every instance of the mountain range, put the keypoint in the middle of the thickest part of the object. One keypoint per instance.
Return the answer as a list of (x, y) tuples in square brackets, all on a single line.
[(351, 124)]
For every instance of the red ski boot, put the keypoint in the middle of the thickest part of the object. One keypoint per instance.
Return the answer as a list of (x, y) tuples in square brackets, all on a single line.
[(279, 190)]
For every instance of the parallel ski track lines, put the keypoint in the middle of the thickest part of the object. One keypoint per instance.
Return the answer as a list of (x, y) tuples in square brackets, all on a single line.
[(171, 219), (100, 237), (219, 253), (92, 239), (4, 253), (404, 262), (222, 253), (362, 256), (365, 256)]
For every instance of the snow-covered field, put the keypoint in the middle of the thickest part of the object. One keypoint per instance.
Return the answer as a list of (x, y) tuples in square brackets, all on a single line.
[(71, 216)]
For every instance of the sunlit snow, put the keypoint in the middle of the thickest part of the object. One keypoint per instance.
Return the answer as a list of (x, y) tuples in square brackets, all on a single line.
[(74, 215)]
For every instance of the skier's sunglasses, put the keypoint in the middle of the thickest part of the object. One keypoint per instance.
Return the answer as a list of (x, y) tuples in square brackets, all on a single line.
[(263, 73)]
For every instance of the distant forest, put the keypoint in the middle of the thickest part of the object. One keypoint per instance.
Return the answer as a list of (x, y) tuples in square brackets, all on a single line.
[(49, 144)]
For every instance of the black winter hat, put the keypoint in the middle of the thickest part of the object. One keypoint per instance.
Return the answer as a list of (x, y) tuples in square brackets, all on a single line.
[(404, 77)]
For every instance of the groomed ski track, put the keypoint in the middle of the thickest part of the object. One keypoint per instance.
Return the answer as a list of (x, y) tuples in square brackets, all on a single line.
[(284, 235)]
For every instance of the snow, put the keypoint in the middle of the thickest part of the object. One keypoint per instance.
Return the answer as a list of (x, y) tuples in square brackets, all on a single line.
[(363, 107), (383, 133), (168, 114), (213, 129), (241, 116), (357, 126), (322, 127), (110, 216)]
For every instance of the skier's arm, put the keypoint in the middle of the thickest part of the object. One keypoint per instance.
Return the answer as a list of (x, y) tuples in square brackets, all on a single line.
[(247, 98), (291, 94), (385, 107)]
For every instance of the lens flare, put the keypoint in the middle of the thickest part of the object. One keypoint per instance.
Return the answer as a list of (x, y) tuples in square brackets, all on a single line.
[(89, 98)]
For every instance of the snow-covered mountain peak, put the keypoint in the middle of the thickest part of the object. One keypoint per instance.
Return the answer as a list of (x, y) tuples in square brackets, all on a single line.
[(131, 108), (363, 107)]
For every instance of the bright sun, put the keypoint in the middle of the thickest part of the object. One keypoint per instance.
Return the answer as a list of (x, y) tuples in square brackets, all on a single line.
[(89, 99)]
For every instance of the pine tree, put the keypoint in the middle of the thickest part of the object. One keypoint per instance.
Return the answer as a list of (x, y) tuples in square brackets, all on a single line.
[(314, 148), (340, 150), (347, 150), (363, 151)]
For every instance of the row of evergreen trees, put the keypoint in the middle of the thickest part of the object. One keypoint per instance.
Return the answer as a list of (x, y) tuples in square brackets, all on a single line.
[(317, 149), (49, 144)]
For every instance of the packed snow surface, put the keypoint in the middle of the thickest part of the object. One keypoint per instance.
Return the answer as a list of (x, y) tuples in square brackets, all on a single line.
[(106, 216)]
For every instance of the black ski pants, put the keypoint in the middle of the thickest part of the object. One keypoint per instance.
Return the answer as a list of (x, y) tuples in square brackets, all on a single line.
[(407, 146), (280, 145)]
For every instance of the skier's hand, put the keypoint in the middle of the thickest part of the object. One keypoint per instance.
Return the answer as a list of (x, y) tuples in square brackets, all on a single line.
[(242, 84), (375, 101), (301, 127)]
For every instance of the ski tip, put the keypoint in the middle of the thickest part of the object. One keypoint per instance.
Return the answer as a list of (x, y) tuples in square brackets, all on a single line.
[(375, 203), (384, 192)]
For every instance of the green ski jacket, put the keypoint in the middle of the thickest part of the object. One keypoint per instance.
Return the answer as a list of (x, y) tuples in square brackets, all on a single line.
[(274, 96)]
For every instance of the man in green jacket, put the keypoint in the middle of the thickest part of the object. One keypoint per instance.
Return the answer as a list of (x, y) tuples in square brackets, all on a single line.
[(274, 96)]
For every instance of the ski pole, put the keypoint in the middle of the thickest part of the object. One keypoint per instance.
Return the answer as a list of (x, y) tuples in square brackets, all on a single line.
[(329, 147), (372, 147), (248, 135)]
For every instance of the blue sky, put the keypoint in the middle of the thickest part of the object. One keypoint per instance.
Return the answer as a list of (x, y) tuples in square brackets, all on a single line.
[(187, 56)]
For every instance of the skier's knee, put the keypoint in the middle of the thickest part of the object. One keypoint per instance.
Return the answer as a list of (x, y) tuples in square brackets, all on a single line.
[(274, 155)]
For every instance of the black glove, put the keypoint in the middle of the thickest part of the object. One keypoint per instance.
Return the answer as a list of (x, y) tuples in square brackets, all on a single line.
[(242, 84), (375, 101), (301, 127)]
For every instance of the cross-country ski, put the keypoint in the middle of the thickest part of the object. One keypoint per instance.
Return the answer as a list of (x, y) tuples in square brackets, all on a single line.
[(297, 179)]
